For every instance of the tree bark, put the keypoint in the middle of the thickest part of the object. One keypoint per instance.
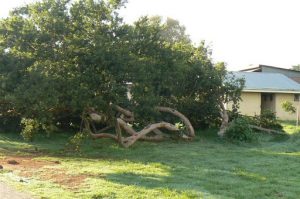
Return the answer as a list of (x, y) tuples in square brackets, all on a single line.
[(185, 120), (98, 135), (270, 131), (132, 139), (126, 116), (225, 120)]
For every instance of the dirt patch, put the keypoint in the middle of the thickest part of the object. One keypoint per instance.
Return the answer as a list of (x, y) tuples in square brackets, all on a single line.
[(32, 168), (23, 163), (60, 177)]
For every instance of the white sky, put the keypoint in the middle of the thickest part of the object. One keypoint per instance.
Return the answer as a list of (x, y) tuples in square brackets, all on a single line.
[(240, 32)]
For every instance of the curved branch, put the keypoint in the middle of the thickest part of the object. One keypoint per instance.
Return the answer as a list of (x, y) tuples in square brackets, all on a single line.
[(127, 115), (136, 136), (183, 118), (104, 129), (123, 110), (98, 135)]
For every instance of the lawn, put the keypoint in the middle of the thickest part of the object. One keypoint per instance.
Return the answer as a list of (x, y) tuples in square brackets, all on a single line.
[(205, 168)]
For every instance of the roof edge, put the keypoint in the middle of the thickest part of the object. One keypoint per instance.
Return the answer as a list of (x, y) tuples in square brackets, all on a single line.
[(262, 65), (270, 91)]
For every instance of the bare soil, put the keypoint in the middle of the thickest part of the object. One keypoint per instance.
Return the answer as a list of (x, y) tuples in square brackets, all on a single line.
[(27, 166)]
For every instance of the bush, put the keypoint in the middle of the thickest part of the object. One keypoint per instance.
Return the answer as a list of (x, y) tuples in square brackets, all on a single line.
[(30, 128), (239, 130), (288, 107), (267, 119)]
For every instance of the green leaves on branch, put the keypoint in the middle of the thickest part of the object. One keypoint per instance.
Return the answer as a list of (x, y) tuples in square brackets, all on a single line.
[(288, 107)]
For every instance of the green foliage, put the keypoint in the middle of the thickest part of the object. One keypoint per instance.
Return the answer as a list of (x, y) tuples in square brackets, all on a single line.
[(288, 107), (58, 58), (9, 118), (267, 119), (75, 142), (30, 128), (239, 130)]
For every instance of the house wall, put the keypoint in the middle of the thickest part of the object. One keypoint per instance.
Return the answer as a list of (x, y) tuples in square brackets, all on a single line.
[(280, 113), (250, 104)]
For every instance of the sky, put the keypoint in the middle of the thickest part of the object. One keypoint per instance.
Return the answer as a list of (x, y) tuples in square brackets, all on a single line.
[(239, 32)]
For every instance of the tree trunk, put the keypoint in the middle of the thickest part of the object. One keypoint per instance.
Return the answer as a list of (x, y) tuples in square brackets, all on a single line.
[(225, 120)]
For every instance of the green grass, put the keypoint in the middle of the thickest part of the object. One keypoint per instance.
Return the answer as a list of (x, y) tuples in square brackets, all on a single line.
[(205, 168), (290, 127)]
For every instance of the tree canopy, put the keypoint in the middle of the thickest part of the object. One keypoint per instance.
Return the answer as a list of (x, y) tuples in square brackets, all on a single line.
[(59, 58)]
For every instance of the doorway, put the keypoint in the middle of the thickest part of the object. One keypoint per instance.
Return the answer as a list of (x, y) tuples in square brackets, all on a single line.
[(268, 102)]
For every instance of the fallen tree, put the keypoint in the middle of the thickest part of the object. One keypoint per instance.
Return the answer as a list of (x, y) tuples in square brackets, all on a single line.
[(151, 132), (270, 131)]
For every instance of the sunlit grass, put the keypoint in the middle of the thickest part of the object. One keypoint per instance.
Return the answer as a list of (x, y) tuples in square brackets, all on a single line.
[(290, 127), (205, 168)]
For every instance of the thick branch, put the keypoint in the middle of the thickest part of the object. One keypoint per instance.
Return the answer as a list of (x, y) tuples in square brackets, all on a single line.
[(185, 120), (127, 115), (132, 139), (270, 131), (121, 123), (104, 129), (123, 110), (98, 135)]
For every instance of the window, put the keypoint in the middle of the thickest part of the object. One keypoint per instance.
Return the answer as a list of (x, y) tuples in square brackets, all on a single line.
[(267, 97), (296, 97)]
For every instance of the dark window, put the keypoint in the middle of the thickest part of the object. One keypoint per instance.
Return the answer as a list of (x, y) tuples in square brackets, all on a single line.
[(296, 97)]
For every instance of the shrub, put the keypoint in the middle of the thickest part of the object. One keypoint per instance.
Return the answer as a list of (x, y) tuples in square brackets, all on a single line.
[(30, 128), (239, 130), (75, 142), (267, 119), (288, 107)]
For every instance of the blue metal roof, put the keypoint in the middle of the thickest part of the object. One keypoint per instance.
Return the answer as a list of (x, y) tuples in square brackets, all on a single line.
[(268, 82)]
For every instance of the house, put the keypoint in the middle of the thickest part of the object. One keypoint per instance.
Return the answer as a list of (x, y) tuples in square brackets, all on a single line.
[(267, 91), (293, 74)]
